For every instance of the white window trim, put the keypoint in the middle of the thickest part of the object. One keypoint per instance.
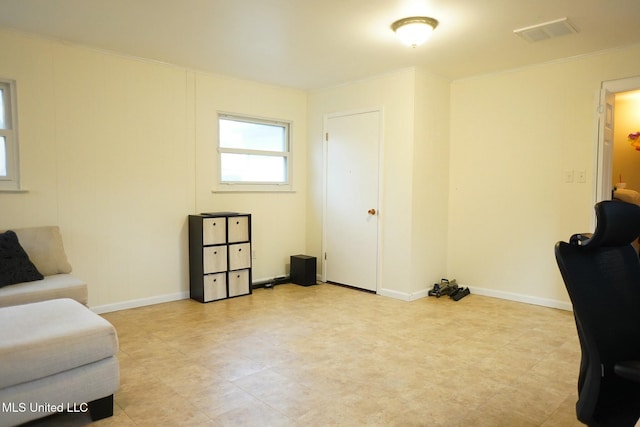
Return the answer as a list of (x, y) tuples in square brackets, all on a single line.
[(266, 187), (11, 182)]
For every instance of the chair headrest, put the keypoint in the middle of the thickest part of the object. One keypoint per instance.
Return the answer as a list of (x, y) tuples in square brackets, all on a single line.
[(618, 224)]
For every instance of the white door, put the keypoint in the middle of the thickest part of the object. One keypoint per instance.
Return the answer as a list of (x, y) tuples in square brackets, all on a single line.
[(351, 199), (605, 129)]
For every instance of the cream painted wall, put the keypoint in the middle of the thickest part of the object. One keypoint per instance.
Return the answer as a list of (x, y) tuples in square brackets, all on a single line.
[(123, 161), (513, 134), (430, 191), (279, 219), (626, 160), (406, 189), (118, 151), (30, 62)]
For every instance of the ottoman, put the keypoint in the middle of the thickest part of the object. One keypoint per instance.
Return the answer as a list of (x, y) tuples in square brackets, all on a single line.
[(55, 356)]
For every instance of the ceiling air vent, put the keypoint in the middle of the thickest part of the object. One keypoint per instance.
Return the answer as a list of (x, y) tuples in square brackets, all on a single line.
[(546, 30)]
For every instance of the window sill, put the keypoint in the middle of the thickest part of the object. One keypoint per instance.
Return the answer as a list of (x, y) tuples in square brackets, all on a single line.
[(252, 188), (240, 190), (10, 190)]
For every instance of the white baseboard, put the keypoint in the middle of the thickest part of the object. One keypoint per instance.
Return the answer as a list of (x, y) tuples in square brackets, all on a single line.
[(528, 299), (510, 296), (403, 295), (394, 294), (107, 308)]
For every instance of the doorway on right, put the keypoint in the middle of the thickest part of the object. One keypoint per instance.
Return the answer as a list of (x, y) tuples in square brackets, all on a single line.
[(351, 208)]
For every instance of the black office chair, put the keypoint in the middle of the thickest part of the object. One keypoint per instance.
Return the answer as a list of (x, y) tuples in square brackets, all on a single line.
[(602, 275)]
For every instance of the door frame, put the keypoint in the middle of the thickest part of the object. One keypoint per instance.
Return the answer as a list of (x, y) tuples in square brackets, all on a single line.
[(612, 86), (325, 173)]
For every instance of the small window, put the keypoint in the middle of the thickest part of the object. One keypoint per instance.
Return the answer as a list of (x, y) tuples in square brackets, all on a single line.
[(254, 154), (9, 173)]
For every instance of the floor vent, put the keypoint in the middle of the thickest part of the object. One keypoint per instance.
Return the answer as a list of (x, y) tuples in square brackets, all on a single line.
[(546, 30)]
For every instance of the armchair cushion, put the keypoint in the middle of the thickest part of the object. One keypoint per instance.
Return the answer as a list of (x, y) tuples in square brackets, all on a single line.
[(45, 249)]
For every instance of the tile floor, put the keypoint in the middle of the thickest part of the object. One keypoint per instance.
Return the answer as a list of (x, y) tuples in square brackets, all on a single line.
[(332, 356)]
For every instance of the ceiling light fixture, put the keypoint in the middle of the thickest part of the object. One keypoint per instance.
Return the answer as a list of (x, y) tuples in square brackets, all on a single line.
[(415, 30)]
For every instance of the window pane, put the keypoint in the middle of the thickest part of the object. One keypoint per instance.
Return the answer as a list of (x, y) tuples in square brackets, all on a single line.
[(252, 136), (3, 156), (253, 168)]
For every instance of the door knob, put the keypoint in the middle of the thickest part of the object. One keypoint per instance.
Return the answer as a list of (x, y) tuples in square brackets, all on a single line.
[(371, 211)]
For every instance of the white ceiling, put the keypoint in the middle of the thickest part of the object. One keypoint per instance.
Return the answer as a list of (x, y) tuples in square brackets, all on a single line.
[(316, 43)]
